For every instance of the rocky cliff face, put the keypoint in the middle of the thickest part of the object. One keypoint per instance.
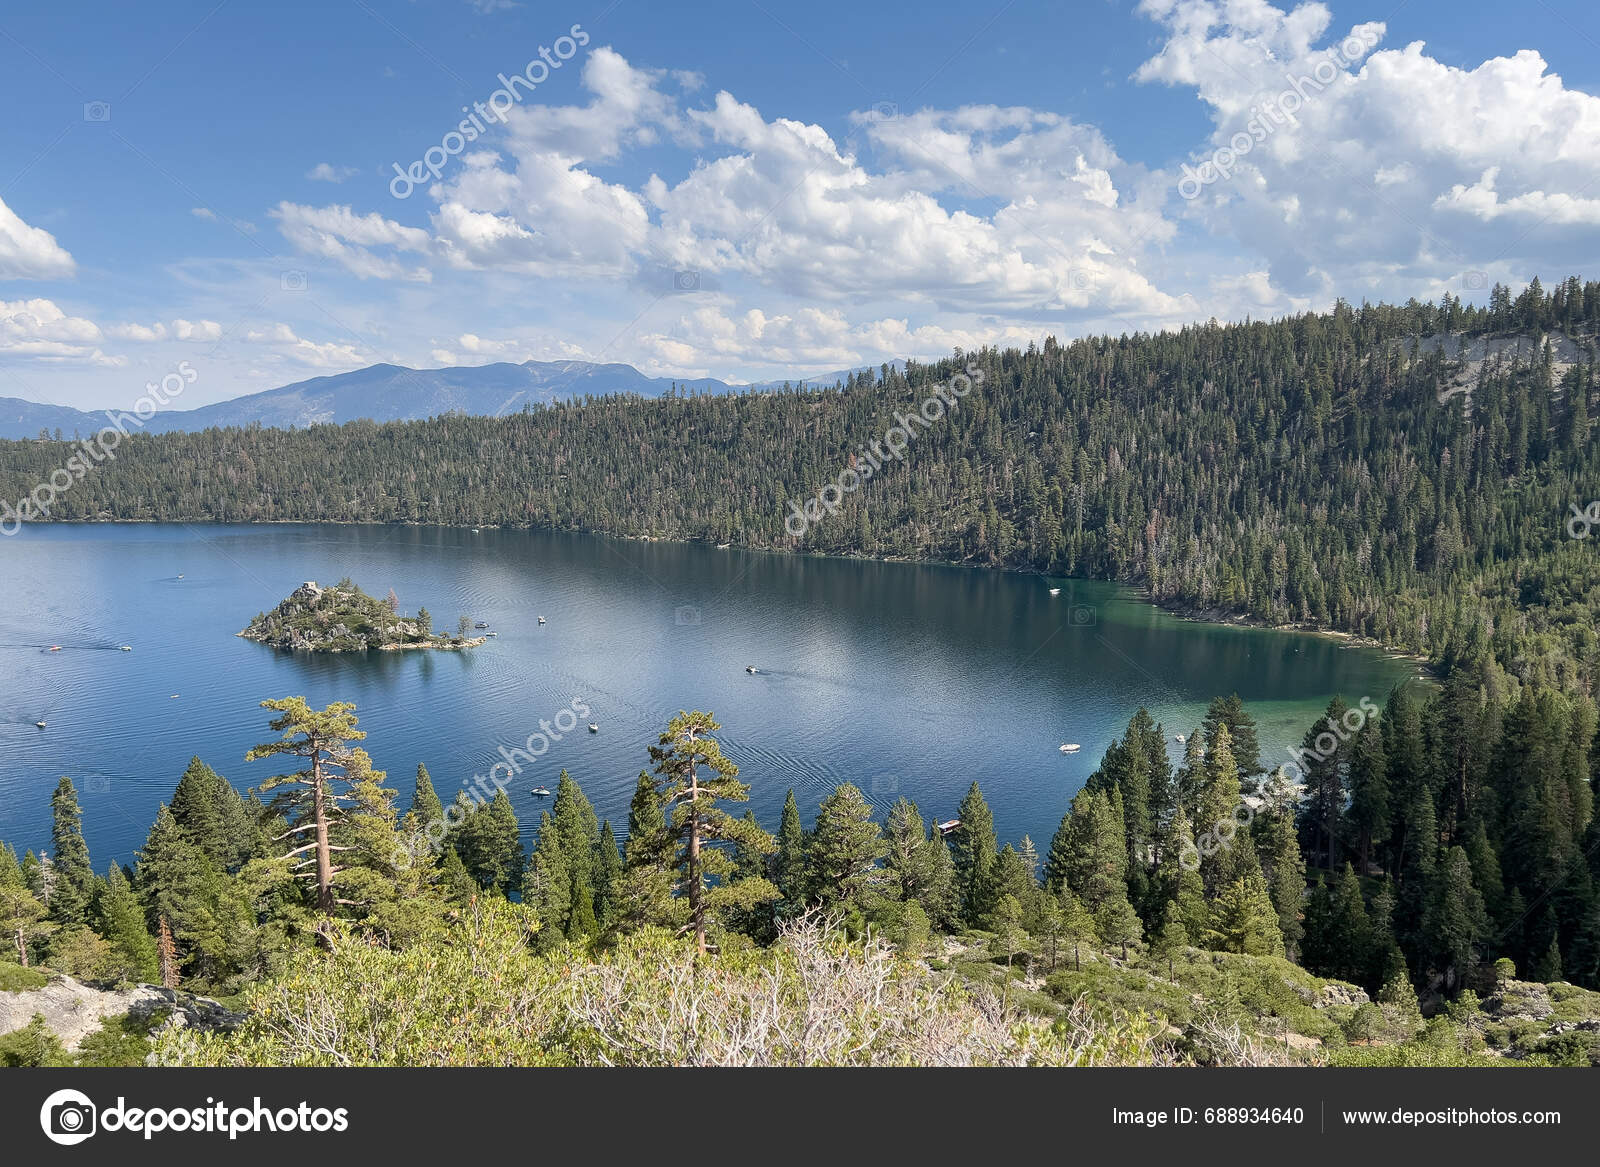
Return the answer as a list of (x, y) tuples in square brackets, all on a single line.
[(74, 1010)]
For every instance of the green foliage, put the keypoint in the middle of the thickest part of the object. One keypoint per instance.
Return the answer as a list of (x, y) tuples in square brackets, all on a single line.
[(35, 1044), (343, 618)]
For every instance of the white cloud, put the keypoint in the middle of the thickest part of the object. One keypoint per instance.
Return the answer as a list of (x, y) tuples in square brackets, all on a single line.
[(1397, 172), (327, 172), (286, 344), (40, 330), (195, 330), (337, 233), (29, 253)]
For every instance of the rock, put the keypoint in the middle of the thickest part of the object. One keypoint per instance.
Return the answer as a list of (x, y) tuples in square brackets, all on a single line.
[(1338, 993), (74, 1010)]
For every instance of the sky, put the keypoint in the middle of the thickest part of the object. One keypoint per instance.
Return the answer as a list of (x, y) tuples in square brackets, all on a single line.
[(756, 190)]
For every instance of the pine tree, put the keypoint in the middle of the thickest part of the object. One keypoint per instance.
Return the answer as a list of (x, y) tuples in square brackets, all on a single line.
[(648, 842), (1077, 925), (426, 809), (213, 815), (1230, 712), (1009, 937), (1369, 792), (607, 874), (973, 849), (309, 798), (1089, 853), (1243, 919), (1170, 939), (22, 914), (1191, 778), (75, 882), (1117, 923), (789, 864), (1454, 920), (1322, 757), (694, 775), (120, 919), (846, 845), (547, 884)]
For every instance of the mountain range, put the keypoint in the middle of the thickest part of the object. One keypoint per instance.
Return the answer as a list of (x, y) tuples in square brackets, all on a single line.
[(392, 393)]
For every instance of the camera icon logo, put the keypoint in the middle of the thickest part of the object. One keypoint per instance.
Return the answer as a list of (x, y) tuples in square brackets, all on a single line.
[(686, 615), (97, 111), (68, 1117), (1475, 281), (1083, 616), (97, 784), (292, 281), (686, 281), (885, 111)]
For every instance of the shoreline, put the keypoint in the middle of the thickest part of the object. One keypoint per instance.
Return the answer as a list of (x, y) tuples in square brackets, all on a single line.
[(1188, 612)]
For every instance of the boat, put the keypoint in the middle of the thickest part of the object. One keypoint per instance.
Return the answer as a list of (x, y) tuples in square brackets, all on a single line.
[(750, 669), (541, 619), (541, 791), (481, 624), (55, 648), (127, 648), (1070, 747), (947, 826), (594, 727), (40, 724), (174, 697), (1055, 591), (180, 575), (491, 634), (1179, 738)]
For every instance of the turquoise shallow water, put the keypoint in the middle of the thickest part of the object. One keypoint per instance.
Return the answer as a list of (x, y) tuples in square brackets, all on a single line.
[(902, 678)]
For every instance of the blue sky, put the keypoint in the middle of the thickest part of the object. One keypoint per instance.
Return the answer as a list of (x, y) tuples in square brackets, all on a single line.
[(754, 190)]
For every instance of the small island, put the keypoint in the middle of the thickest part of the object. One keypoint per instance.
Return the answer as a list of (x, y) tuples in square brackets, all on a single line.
[(343, 618)]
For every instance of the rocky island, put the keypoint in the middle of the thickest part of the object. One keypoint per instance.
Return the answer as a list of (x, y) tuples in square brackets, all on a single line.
[(343, 618)]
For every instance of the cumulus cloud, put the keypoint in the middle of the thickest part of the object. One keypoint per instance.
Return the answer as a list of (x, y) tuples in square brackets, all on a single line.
[(285, 343), (29, 253), (1392, 172), (195, 330), (339, 234), (40, 330)]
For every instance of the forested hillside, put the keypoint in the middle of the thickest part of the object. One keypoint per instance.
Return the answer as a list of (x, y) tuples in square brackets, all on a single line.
[(1324, 469)]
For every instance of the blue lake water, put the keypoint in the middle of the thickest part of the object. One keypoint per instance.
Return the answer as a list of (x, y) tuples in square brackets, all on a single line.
[(902, 678)]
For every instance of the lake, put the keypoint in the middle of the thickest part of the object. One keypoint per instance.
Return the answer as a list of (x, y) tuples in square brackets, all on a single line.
[(901, 678)]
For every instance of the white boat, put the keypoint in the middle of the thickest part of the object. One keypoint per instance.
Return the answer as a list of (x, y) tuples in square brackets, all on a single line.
[(1055, 591), (1070, 747), (541, 619), (40, 724), (750, 669), (594, 727), (127, 648), (1179, 738)]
